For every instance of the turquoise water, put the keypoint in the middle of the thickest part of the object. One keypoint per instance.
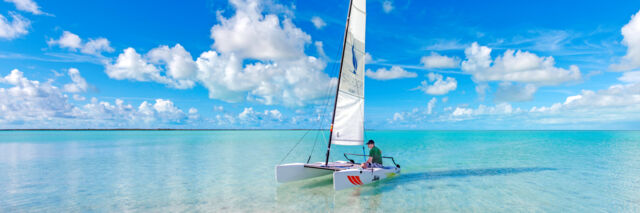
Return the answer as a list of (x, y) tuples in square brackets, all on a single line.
[(231, 171)]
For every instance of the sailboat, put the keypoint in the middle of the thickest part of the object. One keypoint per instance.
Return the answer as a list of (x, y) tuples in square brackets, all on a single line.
[(347, 126)]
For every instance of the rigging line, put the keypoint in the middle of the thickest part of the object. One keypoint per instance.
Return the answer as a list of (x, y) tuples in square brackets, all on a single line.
[(285, 157), (332, 71)]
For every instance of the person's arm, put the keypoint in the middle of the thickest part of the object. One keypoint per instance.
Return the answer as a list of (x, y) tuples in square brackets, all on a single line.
[(370, 159)]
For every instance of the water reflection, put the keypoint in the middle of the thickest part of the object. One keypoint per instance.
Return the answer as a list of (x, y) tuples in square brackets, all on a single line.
[(318, 192)]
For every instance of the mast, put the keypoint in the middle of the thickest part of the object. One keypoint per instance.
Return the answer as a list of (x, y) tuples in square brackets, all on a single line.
[(333, 117)]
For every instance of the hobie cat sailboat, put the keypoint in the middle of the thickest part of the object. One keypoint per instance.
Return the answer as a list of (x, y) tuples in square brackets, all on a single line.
[(347, 126)]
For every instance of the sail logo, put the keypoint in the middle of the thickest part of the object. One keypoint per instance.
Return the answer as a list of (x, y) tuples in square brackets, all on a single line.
[(355, 60)]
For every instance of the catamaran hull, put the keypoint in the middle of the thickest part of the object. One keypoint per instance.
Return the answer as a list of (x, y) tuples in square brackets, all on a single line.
[(356, 177), (296, 171)]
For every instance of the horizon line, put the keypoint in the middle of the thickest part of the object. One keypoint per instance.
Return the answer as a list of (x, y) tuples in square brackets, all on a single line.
[(176, 129)]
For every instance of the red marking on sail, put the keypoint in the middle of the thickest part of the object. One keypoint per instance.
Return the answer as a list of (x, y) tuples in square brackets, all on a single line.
[(358, 179)]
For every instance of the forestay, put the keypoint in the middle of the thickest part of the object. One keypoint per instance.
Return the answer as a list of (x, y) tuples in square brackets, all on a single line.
[(348, 124)]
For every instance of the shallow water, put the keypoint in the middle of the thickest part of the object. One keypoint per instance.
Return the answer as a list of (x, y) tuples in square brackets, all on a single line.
[(230, 171)]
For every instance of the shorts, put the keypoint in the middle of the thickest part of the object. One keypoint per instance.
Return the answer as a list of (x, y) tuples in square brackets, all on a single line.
[(374, 165)]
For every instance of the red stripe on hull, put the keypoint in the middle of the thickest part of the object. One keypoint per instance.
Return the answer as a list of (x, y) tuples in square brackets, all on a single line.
[(351, 180), (358, 179)]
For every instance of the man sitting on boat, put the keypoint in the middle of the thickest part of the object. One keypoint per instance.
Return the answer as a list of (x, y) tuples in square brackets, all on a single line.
[(375, 157)]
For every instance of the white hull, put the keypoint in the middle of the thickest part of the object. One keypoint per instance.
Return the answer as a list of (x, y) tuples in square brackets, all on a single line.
[(345, 175), (296, 171)]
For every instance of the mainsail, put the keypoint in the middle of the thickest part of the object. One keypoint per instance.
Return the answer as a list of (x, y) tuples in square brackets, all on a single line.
[(348, 118)]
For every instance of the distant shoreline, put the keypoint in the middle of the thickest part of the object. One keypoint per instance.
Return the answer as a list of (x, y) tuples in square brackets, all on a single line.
[(157, 129)]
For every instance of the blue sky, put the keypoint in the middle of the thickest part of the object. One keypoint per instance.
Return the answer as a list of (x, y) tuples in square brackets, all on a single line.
[(272, 64)]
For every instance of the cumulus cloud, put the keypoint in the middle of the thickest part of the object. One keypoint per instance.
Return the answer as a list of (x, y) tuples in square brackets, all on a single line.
[(389, 74), (631, 34), (97, 46), (436, 60), (630, 77), (511, 92), (133, 66), (619, 102), (179, 63), (280, 72), (27, 5), (27, 100), (291, 82), (78, 83), (73, 42), (14, 28), (251, 34), (35, 104), (318, 22), (251, 117), (499, 109), (387, 6), (439, 85), (67, 40), (515, 66)]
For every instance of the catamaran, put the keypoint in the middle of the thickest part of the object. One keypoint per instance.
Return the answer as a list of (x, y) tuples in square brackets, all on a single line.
[(347, 126)]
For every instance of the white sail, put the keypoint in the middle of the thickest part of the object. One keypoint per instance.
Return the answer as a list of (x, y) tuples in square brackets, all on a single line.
[(348, 123)]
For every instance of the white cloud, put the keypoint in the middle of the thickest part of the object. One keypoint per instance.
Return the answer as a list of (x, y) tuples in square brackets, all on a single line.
[(431, 104), (251, 117), (97, 46), (631, 34), (27, 5), (510, 92), (515, 66), (79, 84), (28, 100), (78, 97), (73, 42), (387, 6), (499, 109), (33, 104), (630, 77), (319, 47), (282, 74), (15, 28), (145, 115), (398, 116), (436, 60), (481, 90), (179, 63), (218, 108), (394, 73), (439, 86), (462, 112), (619, 102), (251, 34), (67, 40), (368, 58), (131, 65), (291, 82), (193, 114), (318, 22)]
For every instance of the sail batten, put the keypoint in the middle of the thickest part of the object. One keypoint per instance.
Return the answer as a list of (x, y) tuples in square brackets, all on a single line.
[(348, 121)]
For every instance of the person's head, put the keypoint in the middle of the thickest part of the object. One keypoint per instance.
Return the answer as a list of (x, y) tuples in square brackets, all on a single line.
[(370, 144)]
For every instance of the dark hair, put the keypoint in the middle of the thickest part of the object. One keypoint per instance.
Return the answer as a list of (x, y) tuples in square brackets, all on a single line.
[(371, 142)]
